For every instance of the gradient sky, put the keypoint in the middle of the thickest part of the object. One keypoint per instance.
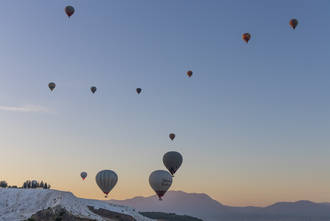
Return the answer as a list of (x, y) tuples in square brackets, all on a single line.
[(252, 123)]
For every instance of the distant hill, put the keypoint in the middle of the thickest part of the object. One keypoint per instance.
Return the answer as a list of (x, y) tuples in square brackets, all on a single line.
[(306, 208), (204, 207), (169, 216)]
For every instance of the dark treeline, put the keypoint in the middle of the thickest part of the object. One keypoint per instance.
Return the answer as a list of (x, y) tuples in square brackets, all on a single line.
[(35, 184), (29, 184)]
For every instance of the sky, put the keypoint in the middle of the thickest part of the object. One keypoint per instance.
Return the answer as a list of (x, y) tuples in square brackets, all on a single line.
[(252, 123)]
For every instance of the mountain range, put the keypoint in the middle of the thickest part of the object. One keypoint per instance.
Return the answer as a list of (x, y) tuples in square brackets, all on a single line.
[(204, 207), (44, 204)]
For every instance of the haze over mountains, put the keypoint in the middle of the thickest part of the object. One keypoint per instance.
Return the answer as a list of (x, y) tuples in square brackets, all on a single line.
[(204, 207)]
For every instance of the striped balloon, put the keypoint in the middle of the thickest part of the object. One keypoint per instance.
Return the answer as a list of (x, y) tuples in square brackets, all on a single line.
[(106, 180)]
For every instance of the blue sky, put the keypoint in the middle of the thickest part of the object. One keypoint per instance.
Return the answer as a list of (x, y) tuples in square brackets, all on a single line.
[(252, 123)]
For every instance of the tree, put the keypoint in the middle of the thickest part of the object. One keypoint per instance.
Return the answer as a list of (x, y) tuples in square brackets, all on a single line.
[(41, 184), (3, 184), (34, 184)]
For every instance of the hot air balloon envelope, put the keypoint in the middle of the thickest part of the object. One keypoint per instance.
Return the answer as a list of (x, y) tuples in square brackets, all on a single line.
[(172, 136), (246, 37), (51, 86), (172, 161), (83, 175), (189, 73), (93, 89), (160, 181), (69, 10), (106, 180), (293, 23)]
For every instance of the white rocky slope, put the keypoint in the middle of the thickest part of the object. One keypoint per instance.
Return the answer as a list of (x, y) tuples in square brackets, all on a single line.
[(21, 204)]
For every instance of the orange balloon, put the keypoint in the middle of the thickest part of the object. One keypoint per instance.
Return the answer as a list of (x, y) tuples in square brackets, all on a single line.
[(293, 23), (246, 37)]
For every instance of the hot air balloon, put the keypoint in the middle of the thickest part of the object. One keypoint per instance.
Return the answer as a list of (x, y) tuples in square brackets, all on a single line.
[(106, 180), (172, 161), (160, 181), (189, 73), (83, 175), (51, 86), (246, 37), (138, 90), (69, 10), (293, 23), (93, 89), (172, 136)]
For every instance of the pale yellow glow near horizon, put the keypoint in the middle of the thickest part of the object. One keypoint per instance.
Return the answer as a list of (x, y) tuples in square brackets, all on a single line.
[(230, 193)]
